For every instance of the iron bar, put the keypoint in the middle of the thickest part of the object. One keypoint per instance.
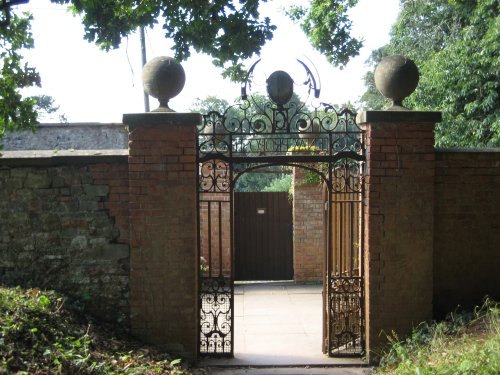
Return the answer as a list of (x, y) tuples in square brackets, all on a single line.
[(209, 223), (221, 250)]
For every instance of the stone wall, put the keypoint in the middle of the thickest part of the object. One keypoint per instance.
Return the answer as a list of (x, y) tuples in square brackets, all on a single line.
[(78, 136), (64, 226), (466, 229)]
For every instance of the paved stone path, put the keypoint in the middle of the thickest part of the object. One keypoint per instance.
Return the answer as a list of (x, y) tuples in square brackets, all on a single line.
[(280, 324)]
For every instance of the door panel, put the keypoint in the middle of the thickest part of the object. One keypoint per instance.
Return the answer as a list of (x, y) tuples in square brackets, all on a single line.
[(263, 236)]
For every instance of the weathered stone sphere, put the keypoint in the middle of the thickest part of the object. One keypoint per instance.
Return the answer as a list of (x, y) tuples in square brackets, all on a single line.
[(396, 77), (163, 78), (280, 87)]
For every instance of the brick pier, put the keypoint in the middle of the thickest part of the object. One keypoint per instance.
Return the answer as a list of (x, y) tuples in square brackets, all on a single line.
[(162, 201), (399, 216)]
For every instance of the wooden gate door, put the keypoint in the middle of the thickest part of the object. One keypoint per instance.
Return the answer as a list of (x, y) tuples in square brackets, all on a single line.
[(263, 236)]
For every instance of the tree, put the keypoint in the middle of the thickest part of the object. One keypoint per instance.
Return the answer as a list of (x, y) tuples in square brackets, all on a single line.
[(456, 45), (228, 30), (326, 24), (16, 111), (210, 103)]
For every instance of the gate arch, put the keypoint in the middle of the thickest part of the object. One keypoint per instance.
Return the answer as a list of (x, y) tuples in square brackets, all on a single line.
[(249, 135)]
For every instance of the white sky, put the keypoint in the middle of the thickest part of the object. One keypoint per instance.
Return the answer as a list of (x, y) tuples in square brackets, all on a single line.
[(90, 85)]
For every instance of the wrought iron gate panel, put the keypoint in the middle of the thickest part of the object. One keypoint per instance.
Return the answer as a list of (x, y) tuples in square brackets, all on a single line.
[(249, 135), (216, 290), (216, 316), (345, 263)]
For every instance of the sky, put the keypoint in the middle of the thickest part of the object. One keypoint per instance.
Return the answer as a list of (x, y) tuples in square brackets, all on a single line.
[(91, 85)]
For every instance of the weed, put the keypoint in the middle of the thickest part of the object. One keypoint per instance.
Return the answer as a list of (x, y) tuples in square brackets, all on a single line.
[(467, 343), (38, 335)]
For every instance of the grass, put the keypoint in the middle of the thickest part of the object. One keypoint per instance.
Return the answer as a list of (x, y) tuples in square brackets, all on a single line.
[(467, 343), (39, 335)]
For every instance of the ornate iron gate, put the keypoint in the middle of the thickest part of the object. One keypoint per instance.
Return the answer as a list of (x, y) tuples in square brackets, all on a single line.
[(281, 131)]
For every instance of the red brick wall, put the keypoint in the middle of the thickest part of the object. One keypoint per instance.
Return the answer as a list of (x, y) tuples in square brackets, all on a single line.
[(466, 229), (399, 225), (308, 229), (162, 179), (218, 257)]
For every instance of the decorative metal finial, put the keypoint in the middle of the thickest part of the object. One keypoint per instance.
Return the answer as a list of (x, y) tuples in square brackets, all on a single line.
[(163, 78), (396, 77), (280, 87)]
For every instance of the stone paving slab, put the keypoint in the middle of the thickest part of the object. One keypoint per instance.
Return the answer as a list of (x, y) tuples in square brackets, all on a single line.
[(279, 325)]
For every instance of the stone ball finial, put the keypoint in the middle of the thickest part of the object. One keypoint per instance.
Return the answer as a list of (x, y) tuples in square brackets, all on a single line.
[(396, 77), (163, 78)]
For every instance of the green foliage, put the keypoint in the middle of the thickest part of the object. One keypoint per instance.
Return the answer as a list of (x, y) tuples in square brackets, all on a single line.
[(39, 335), (254, 181), (46, 107), (467, 343), (279, 184), (456, 45), (328, 27), (210, 103), (16, 112), (310, 177), (228, 30)]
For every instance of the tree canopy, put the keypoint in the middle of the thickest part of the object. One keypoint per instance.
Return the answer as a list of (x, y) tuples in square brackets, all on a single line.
[(16, 112), (456, 45), (228, 30)]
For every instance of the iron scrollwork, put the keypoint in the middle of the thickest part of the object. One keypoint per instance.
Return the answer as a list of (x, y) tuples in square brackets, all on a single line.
[(214, 176), (347, 176), (346, 318), (216, 306)]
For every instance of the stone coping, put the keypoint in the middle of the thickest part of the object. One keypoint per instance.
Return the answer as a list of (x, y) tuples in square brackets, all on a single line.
[(161, 119), (399, 116), (62, 157)]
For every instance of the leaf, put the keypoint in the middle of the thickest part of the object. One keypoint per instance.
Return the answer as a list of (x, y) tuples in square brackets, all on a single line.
[(44, 300)]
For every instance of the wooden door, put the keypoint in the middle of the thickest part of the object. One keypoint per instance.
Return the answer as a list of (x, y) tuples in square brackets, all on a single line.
[(263, 236)]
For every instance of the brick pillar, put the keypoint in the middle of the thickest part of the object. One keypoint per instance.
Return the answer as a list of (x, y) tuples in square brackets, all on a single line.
[(308, 229), (399, 219), (162, 180)]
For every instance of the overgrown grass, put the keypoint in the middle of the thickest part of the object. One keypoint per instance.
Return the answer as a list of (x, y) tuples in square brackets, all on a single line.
[(467, 343), (38, 335)]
